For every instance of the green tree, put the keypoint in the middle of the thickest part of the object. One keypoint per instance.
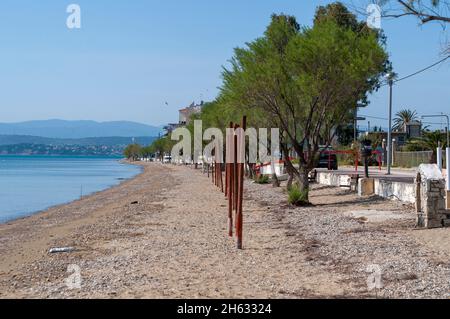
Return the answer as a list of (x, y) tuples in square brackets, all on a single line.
[(162, 146), (147, 151), (430, 141), (340, 14), (133, 152), (404, 117), (307, 80)]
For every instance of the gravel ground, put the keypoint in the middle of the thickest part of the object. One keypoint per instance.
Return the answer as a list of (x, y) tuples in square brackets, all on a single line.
[(172, 243), (349, 246)]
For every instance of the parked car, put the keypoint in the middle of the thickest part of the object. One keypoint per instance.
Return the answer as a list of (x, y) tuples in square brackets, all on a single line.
[(167, 159), (327, 160)]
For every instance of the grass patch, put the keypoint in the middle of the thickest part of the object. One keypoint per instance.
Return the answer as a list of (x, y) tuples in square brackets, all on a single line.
[(262, 179), (298, 197)]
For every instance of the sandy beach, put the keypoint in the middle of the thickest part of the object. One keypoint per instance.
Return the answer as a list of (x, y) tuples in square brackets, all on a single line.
[(163, 235)]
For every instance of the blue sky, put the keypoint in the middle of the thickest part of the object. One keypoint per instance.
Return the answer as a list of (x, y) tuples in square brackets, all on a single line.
[(130, 57)]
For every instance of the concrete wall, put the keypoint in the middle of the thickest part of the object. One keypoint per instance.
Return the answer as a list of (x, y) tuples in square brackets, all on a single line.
[(404, 192), (391, 190), (332, 179), (267, 170)]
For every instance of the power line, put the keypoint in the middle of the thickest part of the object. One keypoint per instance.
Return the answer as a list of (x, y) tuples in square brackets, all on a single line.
[(423, 70), (420, 71)]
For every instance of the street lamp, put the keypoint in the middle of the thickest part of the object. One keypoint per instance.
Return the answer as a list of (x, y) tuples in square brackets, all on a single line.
[(391, 79)]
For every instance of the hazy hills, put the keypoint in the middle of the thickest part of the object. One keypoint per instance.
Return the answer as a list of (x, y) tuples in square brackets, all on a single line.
[(61, 129), (58, 137)]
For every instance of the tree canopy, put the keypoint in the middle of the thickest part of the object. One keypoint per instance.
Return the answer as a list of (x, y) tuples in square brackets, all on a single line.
[(306, 80)]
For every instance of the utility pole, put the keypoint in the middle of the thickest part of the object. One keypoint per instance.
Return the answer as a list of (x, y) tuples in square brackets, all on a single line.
[(355, 123), (391, 78)]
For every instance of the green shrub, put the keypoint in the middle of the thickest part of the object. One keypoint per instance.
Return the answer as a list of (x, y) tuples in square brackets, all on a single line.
[(262, 179), (298, 197)]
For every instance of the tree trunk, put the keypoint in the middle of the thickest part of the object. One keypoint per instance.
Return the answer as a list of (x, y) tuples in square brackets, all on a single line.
[(290, 170), (290, 181), (275, 181), (251, 171), (433, 159), (301, 178)]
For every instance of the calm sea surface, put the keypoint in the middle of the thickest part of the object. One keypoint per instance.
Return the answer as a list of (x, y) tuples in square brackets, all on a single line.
[(29, 184)]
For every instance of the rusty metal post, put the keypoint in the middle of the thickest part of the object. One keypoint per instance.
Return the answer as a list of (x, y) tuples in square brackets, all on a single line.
[(235, 171), (221, 179), (217, 174), (226, 165), (218, 167), (215, 166), (230, 181), (230, 201), (239, 217), (213, 170), (227, 175)]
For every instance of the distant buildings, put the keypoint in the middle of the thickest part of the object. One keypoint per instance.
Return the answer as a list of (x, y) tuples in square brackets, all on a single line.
[(409, 131), (185, 115)]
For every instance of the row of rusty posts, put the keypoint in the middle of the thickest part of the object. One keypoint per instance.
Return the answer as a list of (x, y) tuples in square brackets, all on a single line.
[(234, 177)]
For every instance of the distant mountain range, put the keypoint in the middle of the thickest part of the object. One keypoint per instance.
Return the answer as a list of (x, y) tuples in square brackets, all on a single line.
[(57, 137), (61, 129)]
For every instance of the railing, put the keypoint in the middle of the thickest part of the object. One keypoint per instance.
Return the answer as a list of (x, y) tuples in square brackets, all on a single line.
[(412, 159)]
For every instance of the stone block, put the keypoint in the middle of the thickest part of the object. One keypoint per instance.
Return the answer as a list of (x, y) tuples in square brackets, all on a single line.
[(366, 187), (446, 222), (447, 200)]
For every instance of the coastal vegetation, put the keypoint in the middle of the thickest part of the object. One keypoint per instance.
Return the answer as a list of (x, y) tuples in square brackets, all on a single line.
[(158, 148), (304, 80)]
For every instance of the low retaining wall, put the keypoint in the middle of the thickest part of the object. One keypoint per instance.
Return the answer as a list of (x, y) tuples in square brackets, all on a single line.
[(404, 192), (332, 179)]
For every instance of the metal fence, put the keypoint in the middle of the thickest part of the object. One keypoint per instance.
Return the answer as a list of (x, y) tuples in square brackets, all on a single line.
[(412, 159)]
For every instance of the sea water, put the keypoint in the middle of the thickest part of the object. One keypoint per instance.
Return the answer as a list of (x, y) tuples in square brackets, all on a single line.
[(29, 184)]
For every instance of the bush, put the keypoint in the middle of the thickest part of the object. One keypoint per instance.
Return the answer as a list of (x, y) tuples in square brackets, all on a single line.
[(262, 179), (298, 197)]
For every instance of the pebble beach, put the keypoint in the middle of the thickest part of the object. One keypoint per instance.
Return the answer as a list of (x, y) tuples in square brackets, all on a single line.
[(163, 234)]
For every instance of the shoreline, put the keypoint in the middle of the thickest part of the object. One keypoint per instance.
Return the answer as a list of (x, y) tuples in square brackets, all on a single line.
[(43, 210), (163, 234), (32, 224)]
